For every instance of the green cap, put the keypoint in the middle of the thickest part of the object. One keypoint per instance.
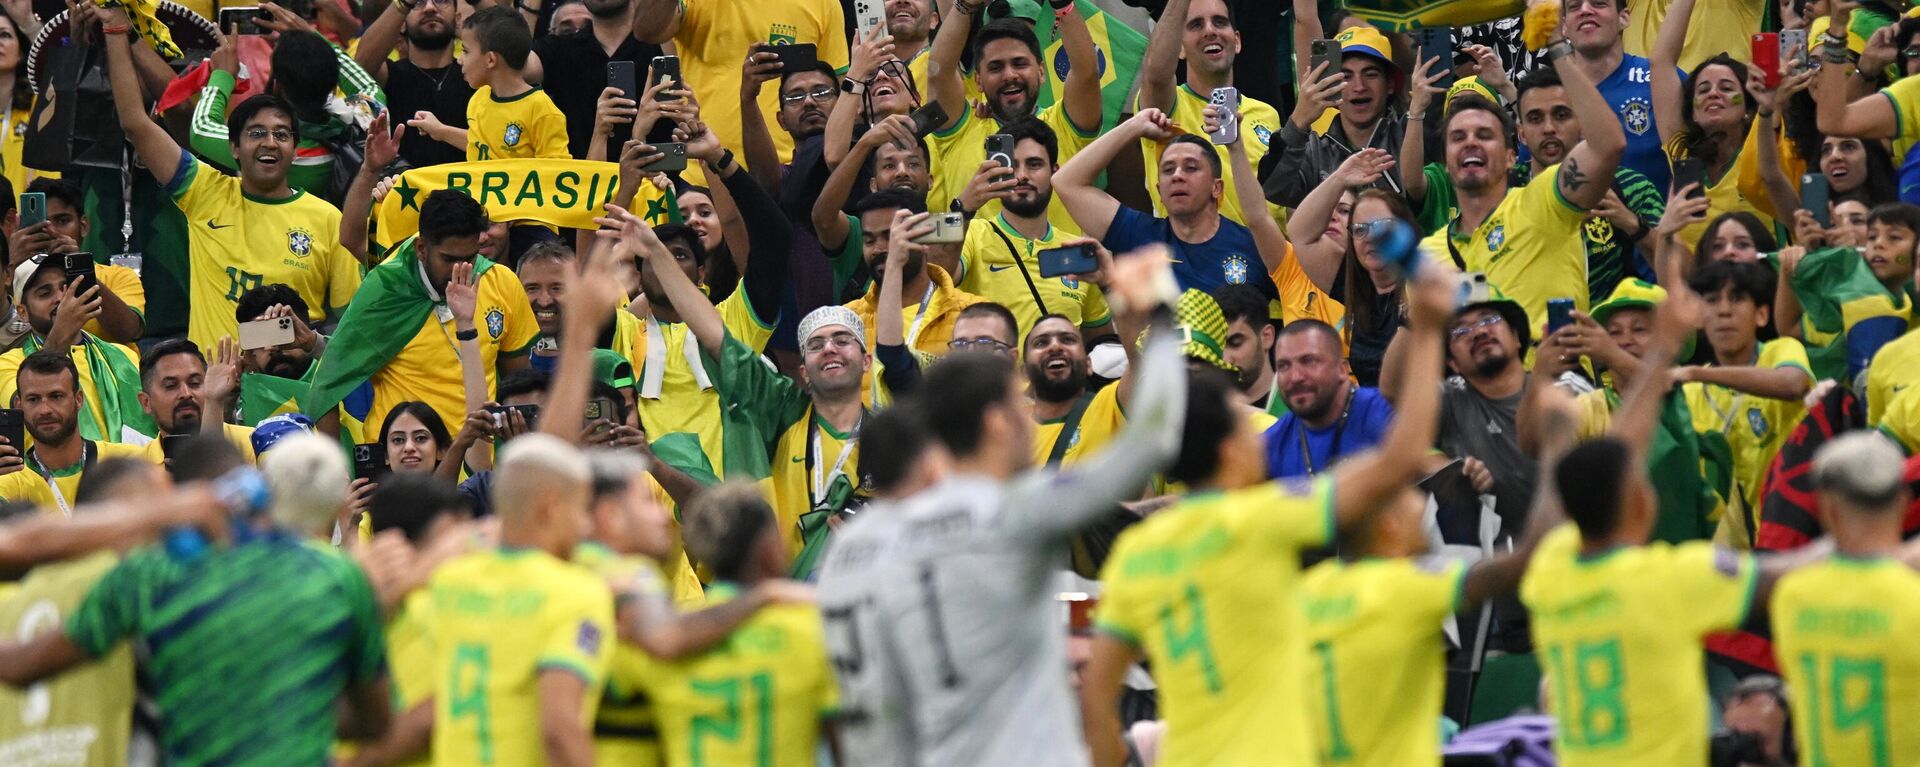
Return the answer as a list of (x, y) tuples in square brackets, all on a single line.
[(612, 369)]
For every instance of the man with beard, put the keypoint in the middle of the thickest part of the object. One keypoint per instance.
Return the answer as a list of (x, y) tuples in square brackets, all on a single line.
[(894, 160), (1009, 69), (1363, 85), (123, 300), (572, 69), (1524, 239), (1203, 33), (428, 78), (290, 360), (1000, 258), (911, 309), (1329, 416), (107, 373), (1074, 422), (49, 397), (1248, 346), (178, 389), (806, 98), (544, 271)]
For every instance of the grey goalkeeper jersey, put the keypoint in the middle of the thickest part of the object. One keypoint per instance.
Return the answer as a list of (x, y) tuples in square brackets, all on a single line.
[(874, 724), (966, 602)]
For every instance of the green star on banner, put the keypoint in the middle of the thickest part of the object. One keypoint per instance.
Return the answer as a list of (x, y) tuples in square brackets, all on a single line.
[(407, 193), (567, 194)]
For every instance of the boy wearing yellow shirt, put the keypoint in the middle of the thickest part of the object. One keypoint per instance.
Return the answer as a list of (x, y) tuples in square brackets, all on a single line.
[(506, 118)]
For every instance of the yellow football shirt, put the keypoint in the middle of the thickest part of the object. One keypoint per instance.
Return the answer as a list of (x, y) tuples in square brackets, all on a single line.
[(988, 268), (1619, 638), (30, 486), (238, 242), (713, 40), (523, 126), (958, 151), (790, 486), (1901, 420), (1301, 299), (1723, 196), (1528, 246), (1843, 632), (1895, 368), (1378, 669), (624, 731), (1754, 427), (240, 437), (125, 283), (1102, 420), (89, 387), (926, 320), (1206, 590), (1717, 26), (683, 406), (410, 669), (428, 367), (757, 698), (1259, 121), (486, 707)]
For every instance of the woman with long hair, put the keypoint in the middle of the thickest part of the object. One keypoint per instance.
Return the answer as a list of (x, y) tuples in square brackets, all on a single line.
[(16, 93), (1375, 296), (1703, 120)]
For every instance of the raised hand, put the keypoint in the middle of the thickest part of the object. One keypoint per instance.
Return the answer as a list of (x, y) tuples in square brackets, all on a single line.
[(762, 65), (462, 295), (1426, 79), (1151, 124), (990, 182), (383, 145), (872, 48), (1320, 92), (1362, 168), (222, 378)]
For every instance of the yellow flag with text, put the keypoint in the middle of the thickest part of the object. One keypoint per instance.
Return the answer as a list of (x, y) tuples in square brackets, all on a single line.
[(562, 193)]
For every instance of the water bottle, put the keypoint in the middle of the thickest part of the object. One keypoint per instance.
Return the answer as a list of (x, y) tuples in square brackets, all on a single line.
[(1393, 241), (243, 491)]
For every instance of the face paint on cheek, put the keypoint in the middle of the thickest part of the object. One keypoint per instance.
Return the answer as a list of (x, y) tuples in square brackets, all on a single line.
[(1736, 98)]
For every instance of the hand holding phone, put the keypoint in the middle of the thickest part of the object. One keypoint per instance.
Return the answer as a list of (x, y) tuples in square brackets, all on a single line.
[(267, 333), (1083, 258), (33, 208), (798, 57), (620, 75), (242, 20), (673, 158), (1816, 196), (1226, 104), (1766, 57), (666, 68)]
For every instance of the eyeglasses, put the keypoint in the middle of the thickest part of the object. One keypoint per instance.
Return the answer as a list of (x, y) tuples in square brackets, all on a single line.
[(841, 340), (1466, 330), (822, 94), (278, 134), (979, 344), (1910, 53)]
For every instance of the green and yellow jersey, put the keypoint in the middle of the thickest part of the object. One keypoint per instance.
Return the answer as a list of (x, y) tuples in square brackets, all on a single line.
[(675, 387), (1528, 246), (428, 367), (1753, 428), (1843, 632), (524, 126), (988, 268), (959, 150)]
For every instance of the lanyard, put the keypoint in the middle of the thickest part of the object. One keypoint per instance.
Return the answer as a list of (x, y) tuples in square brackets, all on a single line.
[(60, 498), (1339, 431), (821, 482)]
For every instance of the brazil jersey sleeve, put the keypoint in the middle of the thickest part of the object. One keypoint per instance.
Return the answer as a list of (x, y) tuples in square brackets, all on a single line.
[(343, 277), (1072, 137), (112, 609), (549, 128), (579, 637), (1904, 95), (517, 329), (197, 188), (1710, 588), (1901, 421), (742, 322)]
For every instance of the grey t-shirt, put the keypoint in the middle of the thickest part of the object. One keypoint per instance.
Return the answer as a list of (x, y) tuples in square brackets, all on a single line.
[(1472, 426), (874, 723)]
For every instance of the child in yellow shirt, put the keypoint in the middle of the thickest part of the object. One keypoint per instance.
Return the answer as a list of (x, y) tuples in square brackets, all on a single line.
[(506, 118)]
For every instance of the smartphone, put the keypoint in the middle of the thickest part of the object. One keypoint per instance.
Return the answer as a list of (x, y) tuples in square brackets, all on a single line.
[(1073, 259), (170, 444), (675, 159), (1227, 102), (868, 14), (369, 460), (80, 274), (13, 426), (1816, 196), (948, 229), (528, 413), (1793, 49), (1326, 52), (33, 208), (667, 68), (262, 334), (798, 57), (1766, 57), (928, 119), (1690, 171), (302, 8), (1436, 42), (242, 20), (599, 408), (620, 74), (1000, 149), (1559, 314)]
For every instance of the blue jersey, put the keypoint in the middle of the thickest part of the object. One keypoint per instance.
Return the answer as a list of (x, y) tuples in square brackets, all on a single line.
[(1359, 429), (1629, 90), (1230, 258)]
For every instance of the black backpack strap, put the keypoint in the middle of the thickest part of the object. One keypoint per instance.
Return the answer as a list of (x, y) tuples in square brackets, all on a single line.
[(1068, 428), (1022, 263)]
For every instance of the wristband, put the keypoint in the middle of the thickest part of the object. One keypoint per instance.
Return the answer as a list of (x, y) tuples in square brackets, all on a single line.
[(1559, 49), (726, 159), (119, 30), (851, 86), (470, 334)]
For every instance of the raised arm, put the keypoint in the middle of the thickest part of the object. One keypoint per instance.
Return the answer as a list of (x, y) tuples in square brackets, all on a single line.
[(1674, 322), (1367, 482), (945, 85), (1081, 97), (156, 149), (591, 298), (379, 40), (829, 224), (871, 48), (1091, 207), (381, 149), (1587, 173), (1288, 178), (1413, 147), (757, 151), (1307, 228), (1267, 235), (1157, 67), (702, 320), (657, 21), (1870, 116), (1786, 302), (1668, 92), (769, 237)]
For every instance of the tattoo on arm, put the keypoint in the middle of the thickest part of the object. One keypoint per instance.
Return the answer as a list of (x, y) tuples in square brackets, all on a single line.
[(1571, 177)]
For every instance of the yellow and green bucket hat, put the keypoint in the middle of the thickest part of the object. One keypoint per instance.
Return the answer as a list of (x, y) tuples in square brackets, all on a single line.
[(1633, 293), (1203, 329)]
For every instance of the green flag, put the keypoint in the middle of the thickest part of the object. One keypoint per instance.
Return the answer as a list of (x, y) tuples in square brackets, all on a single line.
[(1846, 312)]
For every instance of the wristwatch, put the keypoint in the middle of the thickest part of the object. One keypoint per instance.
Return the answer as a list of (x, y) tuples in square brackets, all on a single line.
[(726, 159), (1559, 49), (852, 86)]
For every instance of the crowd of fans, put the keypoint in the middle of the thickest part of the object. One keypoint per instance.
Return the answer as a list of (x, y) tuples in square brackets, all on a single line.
[(919, 382)]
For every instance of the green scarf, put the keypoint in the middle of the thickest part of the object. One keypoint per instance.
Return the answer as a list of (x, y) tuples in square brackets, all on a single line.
[(1684, 472), (116, 382), (385, 314)]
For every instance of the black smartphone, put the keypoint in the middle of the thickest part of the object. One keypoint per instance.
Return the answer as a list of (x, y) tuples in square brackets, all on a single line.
[(928, 119), (620, 74), (667, 68), (172, 442), (33, 208), (1000, 149), (674, 158), (1559, 314), (242, 20), (1688, 172), (528, 413), (798, 57), (1073, 259), (1816, 196), (80, 274), (369, 460), (601, 408), (1436, 42), (13, 426)]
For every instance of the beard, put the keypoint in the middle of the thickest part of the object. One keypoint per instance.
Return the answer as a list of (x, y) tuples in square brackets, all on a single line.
[(59, 434), (1048, 390), (909, 271), (1033, 207), (1492, 366), (285, 365), (431, 42), (1318, 408), (184, 423), (608, 9)]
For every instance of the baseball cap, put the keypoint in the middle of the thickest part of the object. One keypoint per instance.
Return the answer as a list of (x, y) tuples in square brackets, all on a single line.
[(612, 369), (1366, 41), (1031, 11), (1633, 293), (28, 269)]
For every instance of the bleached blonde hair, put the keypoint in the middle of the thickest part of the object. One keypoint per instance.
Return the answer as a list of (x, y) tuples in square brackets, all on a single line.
[(308, 476)]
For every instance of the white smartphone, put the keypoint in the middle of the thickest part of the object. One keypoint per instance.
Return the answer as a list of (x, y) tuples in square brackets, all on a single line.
[(261, 334)]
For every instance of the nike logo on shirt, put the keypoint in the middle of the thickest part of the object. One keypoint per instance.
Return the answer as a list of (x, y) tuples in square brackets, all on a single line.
[(212, 225), (999, 267)]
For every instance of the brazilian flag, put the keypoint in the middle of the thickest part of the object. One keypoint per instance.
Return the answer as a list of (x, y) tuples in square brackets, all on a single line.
[(1117, 50), (1847, 314), (1407, 15)]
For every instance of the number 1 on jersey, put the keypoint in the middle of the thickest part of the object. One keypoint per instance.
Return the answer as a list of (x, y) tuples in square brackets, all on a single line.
[(1851, 694)]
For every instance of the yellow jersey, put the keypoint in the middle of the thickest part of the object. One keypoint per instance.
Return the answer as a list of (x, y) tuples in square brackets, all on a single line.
[(988, 268), (1717, 27), (1754, 427), (91, 394), (927, 320), (13, 142), (1619, 638), (1895, 368), (28, 485), (410, 669), (1529, 246), (1102, 420), (1259, 121), (125, 283), (1843, 632), (1723, 196), (958, 151), (790, 486), (714, 37), (240, 437), (1301, 299), (757, 698), (681, 403), (624, 731), (238, 242), (523, 126), (428, 367), (1205, 589), (1378, 669), (1901, 420), (486, 700)]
